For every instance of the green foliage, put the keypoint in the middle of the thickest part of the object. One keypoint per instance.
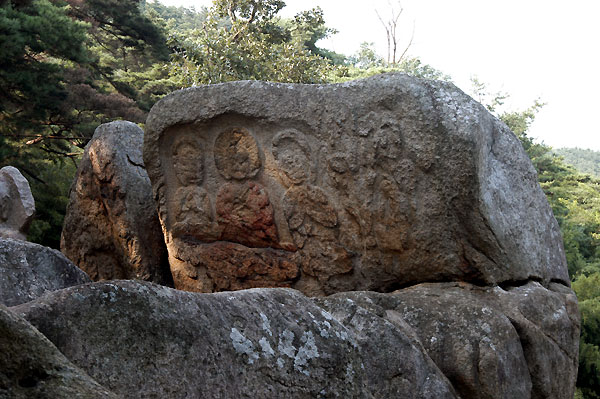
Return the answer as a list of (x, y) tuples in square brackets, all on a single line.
[(492, 101), (51, 199), (588, 292), (367, 63), (309, 27), (585, 161), (37, 42), (175, 19), (245, 40), (67, 66)]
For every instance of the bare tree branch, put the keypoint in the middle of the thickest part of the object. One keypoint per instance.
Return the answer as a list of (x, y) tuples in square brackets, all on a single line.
[(387, 33), (391, 28), (412, 36)]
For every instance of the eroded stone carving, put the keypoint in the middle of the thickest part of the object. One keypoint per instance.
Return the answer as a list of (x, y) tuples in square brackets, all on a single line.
[(245, 215), (188, 162), (311, 218), (236, 154), (369, 185), (235, 244), (192, 209)]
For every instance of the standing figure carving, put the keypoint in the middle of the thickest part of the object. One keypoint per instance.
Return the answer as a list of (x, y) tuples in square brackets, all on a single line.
[(311, 217), (193, 210)]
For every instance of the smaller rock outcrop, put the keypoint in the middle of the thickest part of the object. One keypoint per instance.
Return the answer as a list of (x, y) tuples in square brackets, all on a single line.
[(111, 227), (17, 206), (29, 270), (32, 367)]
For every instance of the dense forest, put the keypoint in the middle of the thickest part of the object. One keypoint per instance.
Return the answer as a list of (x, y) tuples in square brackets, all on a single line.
[(67, 66)]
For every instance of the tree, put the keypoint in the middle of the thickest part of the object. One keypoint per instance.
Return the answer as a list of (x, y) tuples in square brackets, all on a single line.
[(366, 62), (588, 293), (38, 44), (584, 160), (65, 68), (244, 39)]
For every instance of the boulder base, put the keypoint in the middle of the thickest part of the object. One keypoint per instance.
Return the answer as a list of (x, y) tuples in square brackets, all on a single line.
[(442, 340), (144, 340)]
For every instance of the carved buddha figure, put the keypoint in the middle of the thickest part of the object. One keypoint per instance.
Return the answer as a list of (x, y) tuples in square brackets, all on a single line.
[(193, 215), (244, 211)]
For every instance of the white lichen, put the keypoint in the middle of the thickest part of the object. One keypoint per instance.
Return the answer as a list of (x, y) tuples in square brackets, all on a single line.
[(286, 343), (306, 352), (326, 315), (266, 347), (243, 345), (266, 325)]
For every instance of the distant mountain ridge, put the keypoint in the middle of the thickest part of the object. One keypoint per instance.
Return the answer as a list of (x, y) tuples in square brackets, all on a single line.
[(585, 161)]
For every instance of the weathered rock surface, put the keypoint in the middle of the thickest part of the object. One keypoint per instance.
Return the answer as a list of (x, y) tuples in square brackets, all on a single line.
[(395, 362), (28, 271), (111, 228), (32, 367), (521, 342), (367, 185), (143, 340), (17, 206), (433, 340)]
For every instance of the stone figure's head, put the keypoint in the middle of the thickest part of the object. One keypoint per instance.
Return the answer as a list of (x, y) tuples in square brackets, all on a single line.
[(291, 151), (338, 170), (188, 161), (236, 154)]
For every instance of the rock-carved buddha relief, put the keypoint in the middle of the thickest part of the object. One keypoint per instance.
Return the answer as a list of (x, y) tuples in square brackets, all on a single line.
[(243, 207), (192, 211), (311, 217)]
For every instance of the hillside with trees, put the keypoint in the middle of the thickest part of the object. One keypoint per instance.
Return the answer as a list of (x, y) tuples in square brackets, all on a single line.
[(66, 66), (584, 160)]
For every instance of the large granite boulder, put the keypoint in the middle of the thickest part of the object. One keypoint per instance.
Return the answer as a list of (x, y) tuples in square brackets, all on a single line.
[(28, 271), (111, 228), (144, 340), (17, 206), (368, 185), (32, 367)]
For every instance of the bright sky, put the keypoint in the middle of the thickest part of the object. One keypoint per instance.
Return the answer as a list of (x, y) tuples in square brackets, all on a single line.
[(545, 49)]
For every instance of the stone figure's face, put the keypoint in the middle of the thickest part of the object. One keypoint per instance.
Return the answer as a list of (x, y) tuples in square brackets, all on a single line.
[(236, 154), (188, 163), (293, 161)]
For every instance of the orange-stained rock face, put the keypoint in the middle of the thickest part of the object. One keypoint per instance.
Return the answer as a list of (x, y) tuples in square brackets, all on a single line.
[(228, 266), (372, 185), (245, 215), (111, 229)]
